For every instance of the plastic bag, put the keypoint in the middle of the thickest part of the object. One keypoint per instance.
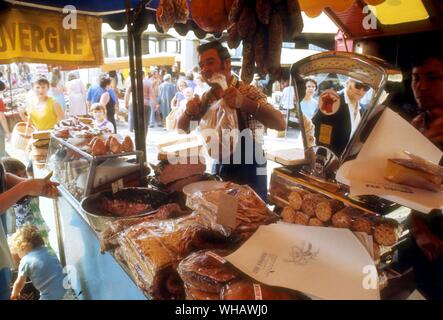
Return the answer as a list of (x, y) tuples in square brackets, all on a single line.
[(220, 131)]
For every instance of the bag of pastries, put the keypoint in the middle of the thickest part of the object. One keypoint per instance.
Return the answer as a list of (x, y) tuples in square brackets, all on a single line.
[(415, 172), (251, 210), (204, 274)]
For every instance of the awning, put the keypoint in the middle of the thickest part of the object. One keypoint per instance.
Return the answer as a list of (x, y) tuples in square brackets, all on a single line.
[(44, 37), (160, 59), (313, 8)]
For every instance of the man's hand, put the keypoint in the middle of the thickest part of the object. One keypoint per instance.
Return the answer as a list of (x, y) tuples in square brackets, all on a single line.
[(430, 245), (193, 107), (233, 98), (41, 187)]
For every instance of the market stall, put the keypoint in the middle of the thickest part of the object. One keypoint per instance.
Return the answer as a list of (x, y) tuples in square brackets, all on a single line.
[(181, 234)]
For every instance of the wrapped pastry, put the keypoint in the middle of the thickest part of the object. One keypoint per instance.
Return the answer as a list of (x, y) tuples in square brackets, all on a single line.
[(98, 148), (301, 218), (361, 224), (295, 199), (386, 233), (251, 210), (326, 208), (310, 202), (415, 172), (206, 270), (315, 222), (196, 294), (115, 146), (288, 215), (343, 218), (249, 290)]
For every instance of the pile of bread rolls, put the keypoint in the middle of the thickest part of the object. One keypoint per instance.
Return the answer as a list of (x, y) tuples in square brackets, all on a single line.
[(313, 209)]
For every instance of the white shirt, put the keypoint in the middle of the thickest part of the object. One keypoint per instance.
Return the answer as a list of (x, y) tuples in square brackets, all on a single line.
[(354, 112), (287, 98)]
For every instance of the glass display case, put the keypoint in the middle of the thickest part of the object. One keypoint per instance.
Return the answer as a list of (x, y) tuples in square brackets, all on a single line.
[(82, 174)]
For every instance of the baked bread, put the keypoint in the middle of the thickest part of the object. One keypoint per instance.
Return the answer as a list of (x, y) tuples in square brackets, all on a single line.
[(343, 218), (288, 215), (325, 209), (315, 222), (46, 135), (416, 172), (195, 294), (361, 224), (205, 270), (386, 234), (310, 202), (301, 218), (295, 199)]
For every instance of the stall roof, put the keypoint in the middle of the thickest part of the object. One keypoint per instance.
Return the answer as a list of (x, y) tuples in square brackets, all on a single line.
[(389, 18), (159, 59)]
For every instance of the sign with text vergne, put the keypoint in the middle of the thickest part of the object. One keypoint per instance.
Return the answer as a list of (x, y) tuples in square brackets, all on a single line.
[(30, 35)]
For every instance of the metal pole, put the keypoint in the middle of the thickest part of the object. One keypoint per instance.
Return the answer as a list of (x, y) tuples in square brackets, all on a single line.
[(139, 144)]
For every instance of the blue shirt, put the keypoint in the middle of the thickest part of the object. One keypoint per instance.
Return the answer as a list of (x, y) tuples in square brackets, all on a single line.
[(45, 272), (309, 107), (95, 92)]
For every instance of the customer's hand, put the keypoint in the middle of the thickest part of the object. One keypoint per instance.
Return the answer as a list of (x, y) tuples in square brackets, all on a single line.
[(430, 245), (41, 187), (193, 107)]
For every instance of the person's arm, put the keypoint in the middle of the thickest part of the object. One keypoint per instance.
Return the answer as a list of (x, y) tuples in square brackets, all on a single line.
[(104, 99), (59, 111), (18, 287), (19, 188), (262, 111), (192, 110), (4, 124)]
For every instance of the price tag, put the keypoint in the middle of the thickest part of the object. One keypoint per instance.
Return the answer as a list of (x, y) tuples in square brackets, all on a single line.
[(258, 295), (227, 210), (117, 185)]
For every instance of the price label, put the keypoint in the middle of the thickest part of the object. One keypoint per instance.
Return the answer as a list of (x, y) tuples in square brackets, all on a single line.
[(227, 210), (117, 185)]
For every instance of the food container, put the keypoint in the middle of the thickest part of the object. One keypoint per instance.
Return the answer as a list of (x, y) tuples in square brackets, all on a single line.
[(98, 219)]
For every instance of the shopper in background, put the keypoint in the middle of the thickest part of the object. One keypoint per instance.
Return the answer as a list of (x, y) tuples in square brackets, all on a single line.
[(146, 103), (77, 95), (4, 129), (57, 89), (309, 105), (100, 120), (166, 93), (44, 112), (179, 96), (200, 86), (103, 94), (38, 264)]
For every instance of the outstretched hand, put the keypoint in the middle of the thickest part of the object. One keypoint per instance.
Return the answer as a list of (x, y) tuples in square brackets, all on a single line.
[(41, 187)]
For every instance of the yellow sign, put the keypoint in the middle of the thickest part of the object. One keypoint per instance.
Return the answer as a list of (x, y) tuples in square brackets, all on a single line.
[(325, 134), (31, 35)]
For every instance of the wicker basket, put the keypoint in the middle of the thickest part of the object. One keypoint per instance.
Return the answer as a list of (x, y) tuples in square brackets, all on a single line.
[(21, 135)]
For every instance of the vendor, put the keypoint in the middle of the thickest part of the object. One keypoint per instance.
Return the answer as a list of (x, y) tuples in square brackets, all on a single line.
[(252, 109), (426, 251), (12, 189), (44, 112)]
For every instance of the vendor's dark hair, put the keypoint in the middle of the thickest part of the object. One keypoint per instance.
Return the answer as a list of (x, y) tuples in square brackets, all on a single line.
[(422, 56), (2, 86), (41, 81), (223, 52)]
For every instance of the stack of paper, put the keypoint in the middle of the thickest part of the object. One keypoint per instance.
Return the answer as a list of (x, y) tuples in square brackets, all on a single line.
[(328, 263), (391, 136)]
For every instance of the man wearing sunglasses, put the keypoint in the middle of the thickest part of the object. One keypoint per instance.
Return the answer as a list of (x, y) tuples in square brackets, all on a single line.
[(334, 130)]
